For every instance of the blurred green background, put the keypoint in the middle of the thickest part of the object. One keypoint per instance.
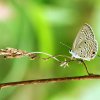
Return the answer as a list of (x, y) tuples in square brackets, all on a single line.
[(40, 25)]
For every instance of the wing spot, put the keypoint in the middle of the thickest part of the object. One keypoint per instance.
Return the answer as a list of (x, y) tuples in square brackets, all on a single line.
[(93, 52), (85, 42)]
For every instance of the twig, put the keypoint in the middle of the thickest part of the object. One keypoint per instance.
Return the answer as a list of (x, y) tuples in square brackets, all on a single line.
[(55, 56), (16, 53), (50, 80), (50, 56)]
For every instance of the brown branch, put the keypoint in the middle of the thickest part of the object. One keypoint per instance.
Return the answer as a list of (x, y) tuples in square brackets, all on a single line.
[(50, 80)]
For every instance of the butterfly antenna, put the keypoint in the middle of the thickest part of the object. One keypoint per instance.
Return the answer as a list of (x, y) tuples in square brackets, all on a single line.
[(65, 45)]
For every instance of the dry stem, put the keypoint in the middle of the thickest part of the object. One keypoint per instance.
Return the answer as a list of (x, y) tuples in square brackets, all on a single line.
[(50, 80), (15, 53)]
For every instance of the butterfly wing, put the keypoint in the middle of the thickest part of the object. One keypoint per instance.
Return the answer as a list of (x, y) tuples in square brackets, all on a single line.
[(85, 46), (84, 33)]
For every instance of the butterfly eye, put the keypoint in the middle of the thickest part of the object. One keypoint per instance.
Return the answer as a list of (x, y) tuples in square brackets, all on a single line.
[(85, 42), (70, 50)]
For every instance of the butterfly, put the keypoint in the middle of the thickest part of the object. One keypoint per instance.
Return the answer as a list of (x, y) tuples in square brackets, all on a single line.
[(85, 46)]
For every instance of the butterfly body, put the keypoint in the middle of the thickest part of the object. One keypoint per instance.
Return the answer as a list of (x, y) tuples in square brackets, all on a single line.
[(85, 46)]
